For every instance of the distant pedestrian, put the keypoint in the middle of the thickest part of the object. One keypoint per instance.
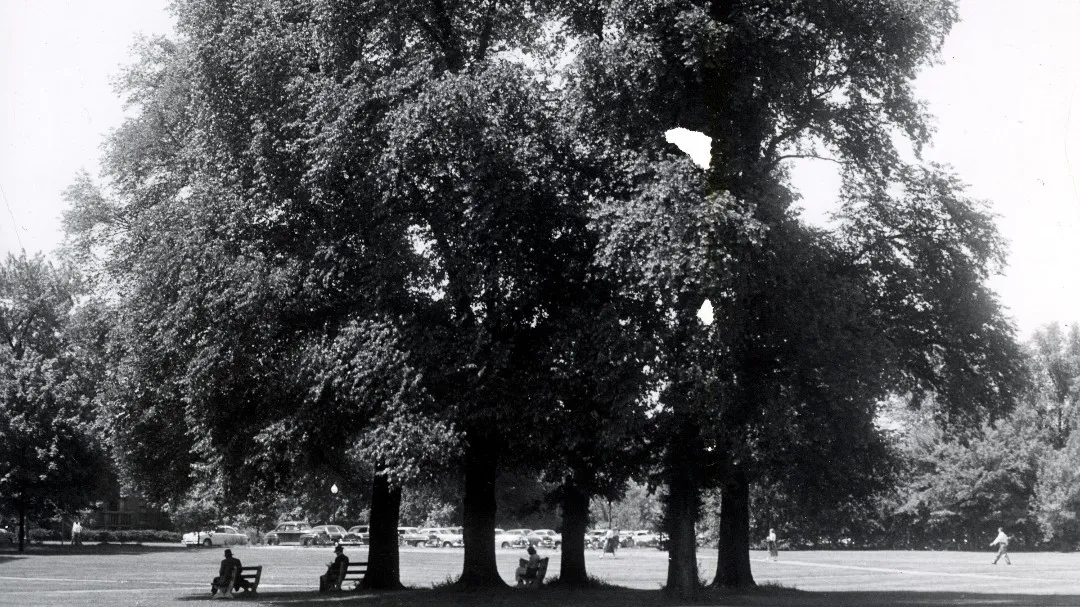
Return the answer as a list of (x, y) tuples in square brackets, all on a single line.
[(611, 542), (76, 533), (1002, 542), (771, 541)]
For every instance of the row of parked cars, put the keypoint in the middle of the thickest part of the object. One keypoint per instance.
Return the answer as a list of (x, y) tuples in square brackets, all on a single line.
[(643, 538), (302, 533)]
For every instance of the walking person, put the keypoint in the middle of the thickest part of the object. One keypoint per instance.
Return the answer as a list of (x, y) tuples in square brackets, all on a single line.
[(611, 542), (76, 533), (771, 542), (1002, 542)]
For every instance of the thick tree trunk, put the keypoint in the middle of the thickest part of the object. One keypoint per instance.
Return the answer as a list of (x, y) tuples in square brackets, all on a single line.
[(575, 515), (480, 568), (733, 563), (683, 508), (384, 571)]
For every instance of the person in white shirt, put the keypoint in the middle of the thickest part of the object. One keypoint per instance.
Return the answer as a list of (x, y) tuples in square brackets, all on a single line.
[(76, 532), (611, 542), (771, 541), (1002, 542)]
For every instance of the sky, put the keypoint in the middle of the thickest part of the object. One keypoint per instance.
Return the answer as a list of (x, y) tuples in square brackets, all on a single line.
[(1004, 95)]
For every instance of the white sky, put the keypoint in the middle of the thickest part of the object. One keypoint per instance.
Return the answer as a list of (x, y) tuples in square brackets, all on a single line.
[(1008, 120)]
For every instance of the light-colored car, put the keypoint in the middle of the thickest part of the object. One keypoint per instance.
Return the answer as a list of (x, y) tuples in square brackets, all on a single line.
[(412, 536), (289, 532), (595, 539), (515, 538), (222, 535), (445, 537), (546, 538), (357, 535), (646, 538)]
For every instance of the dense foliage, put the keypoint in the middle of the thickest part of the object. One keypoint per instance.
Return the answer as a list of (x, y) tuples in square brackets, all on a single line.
[(52, 460), (373, 244)]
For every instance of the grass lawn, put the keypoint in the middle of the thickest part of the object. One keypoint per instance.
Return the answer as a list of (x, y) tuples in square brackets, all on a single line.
[(165, 574)]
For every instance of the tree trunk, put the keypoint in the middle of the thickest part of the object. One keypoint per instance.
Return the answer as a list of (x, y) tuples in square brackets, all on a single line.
[(384, 571), (480, 569), (575, 514), (733, 563), (22, 526), (682, 513)]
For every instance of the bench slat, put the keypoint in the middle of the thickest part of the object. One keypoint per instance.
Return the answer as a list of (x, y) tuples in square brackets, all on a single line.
[(354, 572)]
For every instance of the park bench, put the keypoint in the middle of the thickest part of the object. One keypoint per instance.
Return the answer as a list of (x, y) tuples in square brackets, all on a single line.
[(537, 577), (354, 572), (252, 574)]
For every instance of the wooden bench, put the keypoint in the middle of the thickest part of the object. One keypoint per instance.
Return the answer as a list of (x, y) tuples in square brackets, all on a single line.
[(537, 579), (252, 574), (355, 573)]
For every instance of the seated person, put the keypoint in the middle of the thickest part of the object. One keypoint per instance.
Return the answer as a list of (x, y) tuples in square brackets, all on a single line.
[(230, 568), (334, 570), (527, 571)]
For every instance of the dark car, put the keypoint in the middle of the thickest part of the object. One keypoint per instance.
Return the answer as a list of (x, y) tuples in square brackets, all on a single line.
[(324, 535), (289, 532)]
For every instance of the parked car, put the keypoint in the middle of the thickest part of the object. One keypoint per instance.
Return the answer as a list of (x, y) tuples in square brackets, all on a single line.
[(546, 538), (357, 535), (324, 535), (626, 538), (522, 532), (222, 535), (515, 538), (412, 536), (645, 538), (444, 536), (595, 539), (289, 532)]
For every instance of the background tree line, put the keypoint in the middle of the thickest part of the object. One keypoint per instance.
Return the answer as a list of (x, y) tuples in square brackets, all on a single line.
[(373, 244)]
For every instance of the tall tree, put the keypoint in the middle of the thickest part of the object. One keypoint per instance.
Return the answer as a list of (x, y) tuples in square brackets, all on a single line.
[(771, 81), (302, 167), (52, 460)]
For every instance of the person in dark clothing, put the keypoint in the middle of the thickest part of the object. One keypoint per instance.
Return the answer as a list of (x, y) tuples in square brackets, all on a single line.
[(334, 570), (230, 567)]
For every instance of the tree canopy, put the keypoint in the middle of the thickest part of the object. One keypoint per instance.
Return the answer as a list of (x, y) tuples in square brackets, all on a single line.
[(355, 241)]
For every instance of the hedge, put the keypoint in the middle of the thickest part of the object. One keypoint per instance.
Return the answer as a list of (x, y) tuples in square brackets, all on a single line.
[(107, 536)]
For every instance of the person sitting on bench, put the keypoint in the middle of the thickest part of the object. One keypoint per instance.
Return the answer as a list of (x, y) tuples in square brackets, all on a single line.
[(230, 569), (527, 572), (334, 570)]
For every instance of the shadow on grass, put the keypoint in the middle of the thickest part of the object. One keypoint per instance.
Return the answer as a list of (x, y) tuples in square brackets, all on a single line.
[(626, 597)]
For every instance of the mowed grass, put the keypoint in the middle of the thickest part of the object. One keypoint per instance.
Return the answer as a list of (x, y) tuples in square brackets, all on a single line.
[(164, 574)]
